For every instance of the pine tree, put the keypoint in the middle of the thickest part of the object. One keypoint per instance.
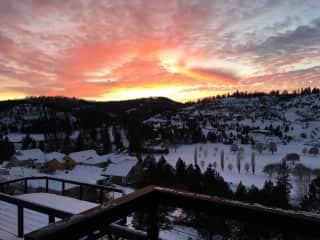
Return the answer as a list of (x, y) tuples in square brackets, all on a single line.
[(180, 171), (282, 189), (7, 149), (241, 192)]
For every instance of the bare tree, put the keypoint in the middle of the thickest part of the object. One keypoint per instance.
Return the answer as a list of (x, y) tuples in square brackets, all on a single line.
[(222, 159), (259, 147), (247, 167), (234, 148), (292, 157), (304, 151), (239, 158), (273, 147), (303, 179), (271, 168), (253, 163), (230, 167), (214, 165)]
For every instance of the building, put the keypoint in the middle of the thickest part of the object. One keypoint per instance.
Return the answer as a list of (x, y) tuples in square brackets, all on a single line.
[(28, 157), (122, 172), (90, 158)]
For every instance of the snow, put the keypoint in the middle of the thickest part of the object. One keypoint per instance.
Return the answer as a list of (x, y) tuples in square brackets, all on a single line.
[(54, 155), (34, 220), (30, 154), (17, 137), (87, 157), (121, 169), (210, 153), (180, 232), (81, 173), (67, 204), (118, 157)]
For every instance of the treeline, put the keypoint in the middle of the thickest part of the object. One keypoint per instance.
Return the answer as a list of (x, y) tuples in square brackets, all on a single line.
[(209, 182), (246, 94)]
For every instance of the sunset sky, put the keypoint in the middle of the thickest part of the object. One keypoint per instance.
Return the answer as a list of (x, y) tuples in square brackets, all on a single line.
[(114, 49)]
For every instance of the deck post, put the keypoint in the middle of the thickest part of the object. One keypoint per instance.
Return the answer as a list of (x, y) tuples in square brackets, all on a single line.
[(81, 192), (63, 191), (20, 221), (47, 184), (25, 185)]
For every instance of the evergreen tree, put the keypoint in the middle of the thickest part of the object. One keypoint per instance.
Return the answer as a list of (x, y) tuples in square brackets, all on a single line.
[(241, 192), (180, 171), (311, 202), (282, 189), (7, 149)]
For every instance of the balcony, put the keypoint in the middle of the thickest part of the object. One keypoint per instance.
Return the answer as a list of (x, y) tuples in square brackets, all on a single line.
[(28, 209), (246, 221)]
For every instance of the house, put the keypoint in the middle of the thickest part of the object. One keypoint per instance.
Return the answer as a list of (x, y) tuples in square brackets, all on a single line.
[(54, 156), (28, 157), (123, 172), (90, 158)]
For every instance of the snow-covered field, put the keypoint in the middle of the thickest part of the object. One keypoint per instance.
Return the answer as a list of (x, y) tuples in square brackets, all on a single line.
[(209, 153)]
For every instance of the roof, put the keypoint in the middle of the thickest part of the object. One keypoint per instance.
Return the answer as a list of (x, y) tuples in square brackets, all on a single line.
[(118, 157), (55, 155), (30, 154), (88, 157), (120, 169)]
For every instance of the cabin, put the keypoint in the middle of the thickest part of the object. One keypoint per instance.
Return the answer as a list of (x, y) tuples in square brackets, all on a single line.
[(89, 158), (123, 172), (28, 158)]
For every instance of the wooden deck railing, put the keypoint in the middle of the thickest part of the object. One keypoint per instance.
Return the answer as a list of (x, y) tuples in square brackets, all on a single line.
[(101, 188), (51, 212), (96, 223)]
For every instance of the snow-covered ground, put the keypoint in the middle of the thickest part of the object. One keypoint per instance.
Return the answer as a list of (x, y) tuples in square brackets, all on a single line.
[(209, 153)]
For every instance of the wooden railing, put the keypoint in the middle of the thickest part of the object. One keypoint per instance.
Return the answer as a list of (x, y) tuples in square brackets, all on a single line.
[(51, 212), (22, 204), (96, 223), (100, 188)]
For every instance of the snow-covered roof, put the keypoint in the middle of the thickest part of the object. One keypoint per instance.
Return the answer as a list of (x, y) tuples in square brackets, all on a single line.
[(88, 157), (30, 154), (55, 155), (118, 157), (18, 137), (120, 169)]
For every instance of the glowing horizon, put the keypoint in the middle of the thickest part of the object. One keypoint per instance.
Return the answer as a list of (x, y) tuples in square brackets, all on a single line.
[(180, 49)]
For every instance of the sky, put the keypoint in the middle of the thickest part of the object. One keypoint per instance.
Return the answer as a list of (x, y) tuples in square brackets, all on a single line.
[(181, 49)]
